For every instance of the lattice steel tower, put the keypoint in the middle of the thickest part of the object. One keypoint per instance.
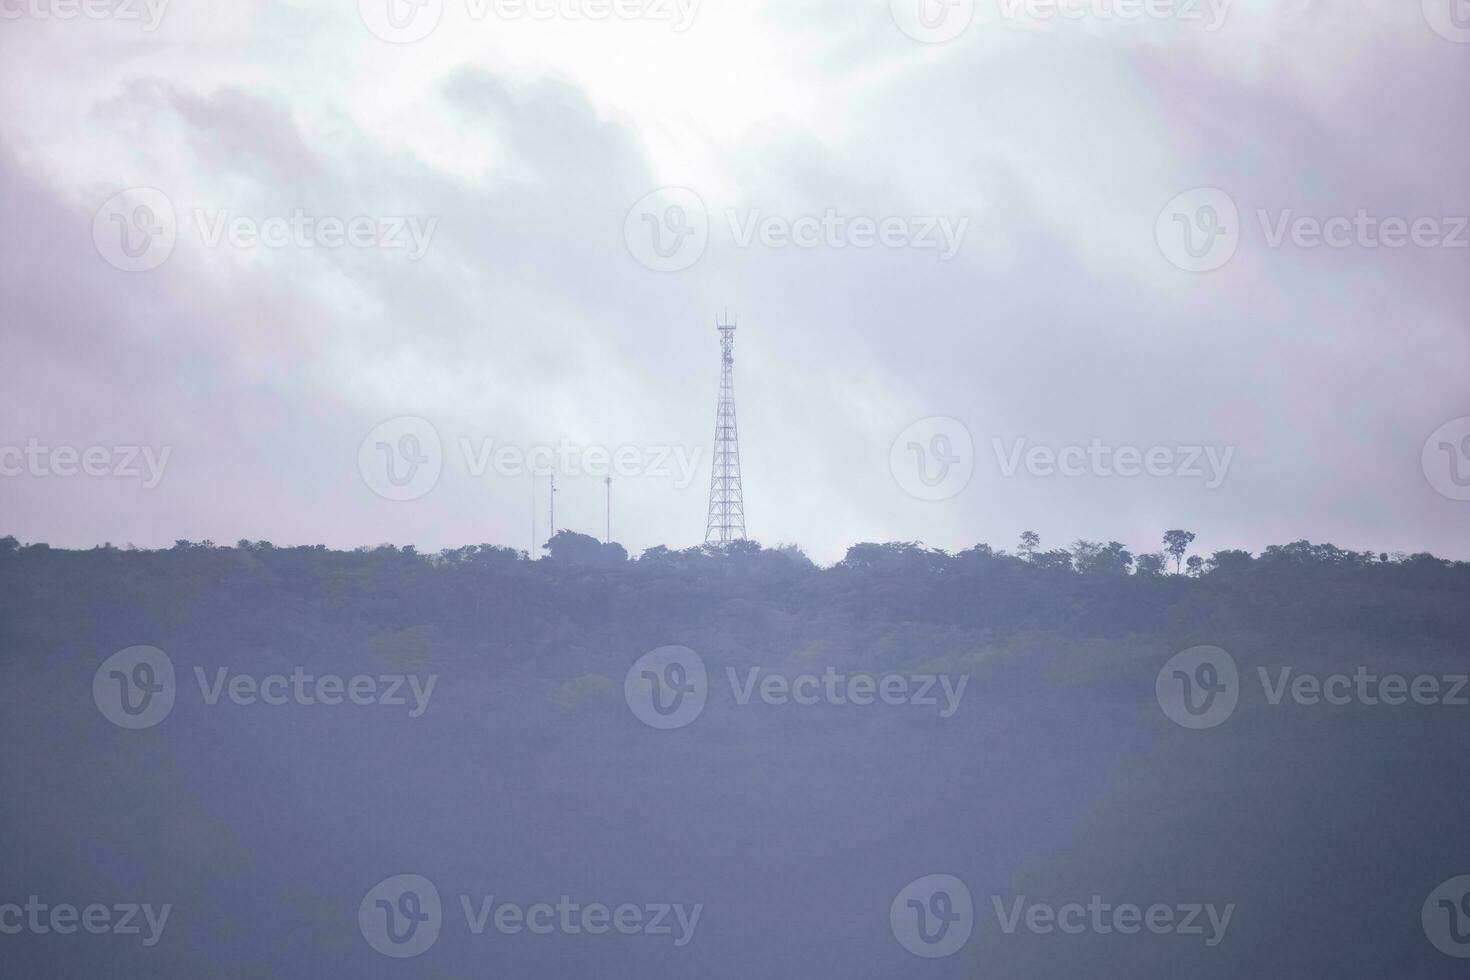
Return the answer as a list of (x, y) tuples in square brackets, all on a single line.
[(726, 521)]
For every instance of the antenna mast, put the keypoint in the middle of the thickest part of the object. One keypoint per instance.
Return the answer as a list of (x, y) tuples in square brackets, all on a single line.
[(726, 520)]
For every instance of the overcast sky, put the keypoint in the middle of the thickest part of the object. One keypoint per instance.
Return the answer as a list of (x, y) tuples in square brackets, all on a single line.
[(957, 238)]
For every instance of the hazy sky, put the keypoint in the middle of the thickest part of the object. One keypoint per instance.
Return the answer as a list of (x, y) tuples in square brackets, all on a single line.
[(969, 212)]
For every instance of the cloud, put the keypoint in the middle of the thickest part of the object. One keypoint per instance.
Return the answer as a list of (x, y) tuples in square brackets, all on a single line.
[(527, 320)]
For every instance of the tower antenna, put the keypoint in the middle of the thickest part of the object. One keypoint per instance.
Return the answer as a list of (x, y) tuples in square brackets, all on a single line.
[(726, 520), (607, 480)]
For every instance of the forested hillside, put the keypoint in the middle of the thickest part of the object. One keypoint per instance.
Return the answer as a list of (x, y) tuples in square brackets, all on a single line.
[(310, 723)]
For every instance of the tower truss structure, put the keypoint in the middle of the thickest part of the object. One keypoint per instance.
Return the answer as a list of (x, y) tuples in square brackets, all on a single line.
[(726, 521)]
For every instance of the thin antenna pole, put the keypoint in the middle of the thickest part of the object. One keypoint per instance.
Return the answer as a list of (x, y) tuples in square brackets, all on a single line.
[(552, 498), (608, 481), (533, 517)]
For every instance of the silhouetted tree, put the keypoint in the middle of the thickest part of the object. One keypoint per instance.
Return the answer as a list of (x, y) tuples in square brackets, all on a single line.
[(1176, 543), (1030, 541)]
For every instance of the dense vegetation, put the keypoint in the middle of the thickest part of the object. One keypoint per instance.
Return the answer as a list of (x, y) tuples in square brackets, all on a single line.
[(879, 598), (529, 777)]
